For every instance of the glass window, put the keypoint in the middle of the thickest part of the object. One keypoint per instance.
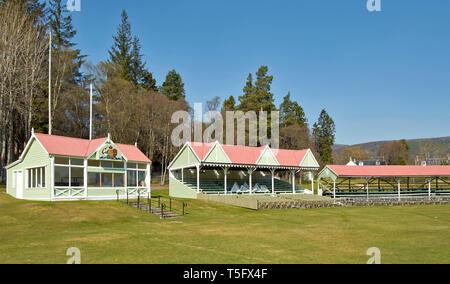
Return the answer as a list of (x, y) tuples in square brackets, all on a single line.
[(107, 180), (132, 166), (43, 177), (77, 162), (119, 180), (119, 165), (142, 166), (61, 161), (77, 177), (93, 179), (107, 164), (62, 176), (30, 178), (131, 178), (35, 178), (38, 177), (94, 163), (141, 179)]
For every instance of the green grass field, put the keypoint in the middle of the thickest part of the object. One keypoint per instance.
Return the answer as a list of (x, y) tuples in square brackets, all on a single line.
[(111, 232)]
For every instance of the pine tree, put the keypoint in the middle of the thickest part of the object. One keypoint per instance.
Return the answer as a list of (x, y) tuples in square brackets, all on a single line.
[(324, 132), (120, 52), (62, 42), (126, 52), (61, 25), (247, 99), (291, 113), (257, 96), (173, 86), (229, 104)]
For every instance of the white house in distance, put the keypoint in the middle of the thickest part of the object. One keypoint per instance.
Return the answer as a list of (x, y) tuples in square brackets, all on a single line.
[(54, 168)]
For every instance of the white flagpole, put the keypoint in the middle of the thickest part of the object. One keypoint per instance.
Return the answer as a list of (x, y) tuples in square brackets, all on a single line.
[(90, 111), (50, 86)]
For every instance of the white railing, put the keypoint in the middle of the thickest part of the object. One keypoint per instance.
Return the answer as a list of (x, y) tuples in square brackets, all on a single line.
[(72, 192)]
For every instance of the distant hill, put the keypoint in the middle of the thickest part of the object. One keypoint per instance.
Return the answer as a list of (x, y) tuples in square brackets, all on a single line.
[(430, 147)]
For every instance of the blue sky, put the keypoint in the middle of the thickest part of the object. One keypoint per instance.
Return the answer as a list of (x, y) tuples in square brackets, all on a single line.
[(382, 75)]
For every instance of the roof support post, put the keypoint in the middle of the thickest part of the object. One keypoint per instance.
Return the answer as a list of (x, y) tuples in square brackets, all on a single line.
[(429, 189), (225, 179), (52, 178), (367, 182), (126, 177), (85, 169), (293, 181), (272, 171), (312, 182), (399, 190), (198, 178), (182, 175), (148, 180), (334, 189), (250, 176)]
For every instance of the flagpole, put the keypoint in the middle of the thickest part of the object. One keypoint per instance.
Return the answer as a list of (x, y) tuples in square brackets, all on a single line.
[(50, 86), (90, 115)]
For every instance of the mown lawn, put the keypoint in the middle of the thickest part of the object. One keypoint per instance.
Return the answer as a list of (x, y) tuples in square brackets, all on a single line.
[(110, 232)]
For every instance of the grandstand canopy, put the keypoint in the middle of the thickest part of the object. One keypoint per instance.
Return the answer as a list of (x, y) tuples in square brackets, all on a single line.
[(384, 181), (335, 171), (215, 154), (220, 169)]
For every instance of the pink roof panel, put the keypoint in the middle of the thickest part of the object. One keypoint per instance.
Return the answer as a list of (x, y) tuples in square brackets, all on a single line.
[(67, 146), (390, 171), (201, 149), (242, 154), (132, 153), (290, 158), (245, 155)]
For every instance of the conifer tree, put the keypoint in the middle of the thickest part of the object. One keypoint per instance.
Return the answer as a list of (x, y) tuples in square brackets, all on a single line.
[(324, 132), (173, 86), (126, 52), (291, 113), (229, 104)]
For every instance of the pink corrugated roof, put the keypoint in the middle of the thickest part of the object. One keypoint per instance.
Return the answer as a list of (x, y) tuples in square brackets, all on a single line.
[(291, 158), (132, 153), (201, 149), (245, 155), (67, 146), (390, 171)]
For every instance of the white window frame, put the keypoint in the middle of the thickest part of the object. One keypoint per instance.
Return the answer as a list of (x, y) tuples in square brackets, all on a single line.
[(70, 172), (34, 173), (137, 170)]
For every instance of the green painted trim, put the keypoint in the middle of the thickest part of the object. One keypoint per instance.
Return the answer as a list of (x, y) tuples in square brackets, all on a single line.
[(327, 173), (217, 155), (107, 171), (179, 190), (309, 161), (268, 158), (186, 157)]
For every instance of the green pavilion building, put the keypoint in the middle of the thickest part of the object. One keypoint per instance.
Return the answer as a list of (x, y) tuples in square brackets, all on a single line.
[(212, 168), (56, 168)]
